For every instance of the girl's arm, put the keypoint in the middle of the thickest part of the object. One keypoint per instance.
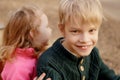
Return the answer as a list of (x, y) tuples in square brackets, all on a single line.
[(41, 77)]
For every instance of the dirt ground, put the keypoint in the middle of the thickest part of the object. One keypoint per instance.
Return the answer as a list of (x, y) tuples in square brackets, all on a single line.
[(109, 36)]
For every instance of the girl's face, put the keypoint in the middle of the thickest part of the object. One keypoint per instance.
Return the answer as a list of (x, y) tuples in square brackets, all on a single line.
[(79, 40), (44, 32)]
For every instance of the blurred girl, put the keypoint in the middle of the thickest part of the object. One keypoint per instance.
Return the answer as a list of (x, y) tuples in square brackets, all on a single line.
[(25, 37)]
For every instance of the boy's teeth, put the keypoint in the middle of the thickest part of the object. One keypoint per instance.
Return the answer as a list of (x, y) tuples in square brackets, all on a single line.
[(84, 47)]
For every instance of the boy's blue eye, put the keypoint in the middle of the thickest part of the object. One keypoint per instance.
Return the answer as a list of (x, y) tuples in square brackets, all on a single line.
[(75, 31), (92, 30)]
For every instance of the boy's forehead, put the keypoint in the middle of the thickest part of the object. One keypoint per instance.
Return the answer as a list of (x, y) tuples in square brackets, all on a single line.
[(80, 21), (79, 24)]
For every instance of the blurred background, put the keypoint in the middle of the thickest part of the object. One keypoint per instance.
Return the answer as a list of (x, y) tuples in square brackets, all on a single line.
[(109, 36)]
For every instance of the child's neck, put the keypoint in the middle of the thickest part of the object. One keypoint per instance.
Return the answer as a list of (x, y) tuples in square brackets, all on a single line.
[(62, 42)]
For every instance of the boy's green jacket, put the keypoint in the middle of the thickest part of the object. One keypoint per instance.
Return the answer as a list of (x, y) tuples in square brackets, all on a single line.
[(59, 64)]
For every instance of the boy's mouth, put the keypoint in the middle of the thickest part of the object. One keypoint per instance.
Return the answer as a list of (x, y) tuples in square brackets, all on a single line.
[(84, 47)]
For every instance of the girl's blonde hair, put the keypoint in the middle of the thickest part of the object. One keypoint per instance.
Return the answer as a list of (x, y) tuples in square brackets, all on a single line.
[(17, 31), (86, 11)]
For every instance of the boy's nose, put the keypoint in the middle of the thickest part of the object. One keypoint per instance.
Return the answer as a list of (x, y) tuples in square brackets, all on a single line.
[(50, 30), (84, 38)]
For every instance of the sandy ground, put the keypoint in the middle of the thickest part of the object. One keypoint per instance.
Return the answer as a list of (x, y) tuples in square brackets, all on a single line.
[(109, 38)]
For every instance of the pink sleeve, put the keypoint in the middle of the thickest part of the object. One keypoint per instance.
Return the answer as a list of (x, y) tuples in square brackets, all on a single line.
[(19, 74), (19, 71)]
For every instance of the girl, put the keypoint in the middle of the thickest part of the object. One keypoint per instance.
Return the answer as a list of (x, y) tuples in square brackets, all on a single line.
[(25, 37)]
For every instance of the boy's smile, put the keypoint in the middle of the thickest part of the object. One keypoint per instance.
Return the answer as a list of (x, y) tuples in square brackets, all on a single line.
[(79, 40)]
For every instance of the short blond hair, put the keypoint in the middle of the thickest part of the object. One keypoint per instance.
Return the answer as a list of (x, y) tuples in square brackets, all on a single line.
[(87, 11)]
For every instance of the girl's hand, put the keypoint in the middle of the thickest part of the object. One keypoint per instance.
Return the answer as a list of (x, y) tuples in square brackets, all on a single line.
[(41, 77)]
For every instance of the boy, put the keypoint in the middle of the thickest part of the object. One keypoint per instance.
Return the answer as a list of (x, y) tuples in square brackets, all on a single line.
[(75, 57)]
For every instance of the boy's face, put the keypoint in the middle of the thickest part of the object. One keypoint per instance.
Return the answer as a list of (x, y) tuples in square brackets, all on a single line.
[(79, 39)]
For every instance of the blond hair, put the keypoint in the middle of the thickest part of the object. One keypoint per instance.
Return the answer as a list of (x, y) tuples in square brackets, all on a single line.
[(87, 11), (16, 32)]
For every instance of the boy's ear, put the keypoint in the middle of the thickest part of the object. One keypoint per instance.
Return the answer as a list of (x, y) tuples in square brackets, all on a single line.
[(61, 28)]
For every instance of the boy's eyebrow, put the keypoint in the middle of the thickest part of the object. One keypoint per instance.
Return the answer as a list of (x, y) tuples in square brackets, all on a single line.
[(73, 27), (79, 27), (95, 26)]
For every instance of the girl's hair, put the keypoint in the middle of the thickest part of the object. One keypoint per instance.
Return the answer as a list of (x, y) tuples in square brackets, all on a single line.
[(17, 31), (86, 11)]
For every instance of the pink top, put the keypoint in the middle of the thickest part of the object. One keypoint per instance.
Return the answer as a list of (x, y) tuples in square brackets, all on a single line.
[(23, 67)]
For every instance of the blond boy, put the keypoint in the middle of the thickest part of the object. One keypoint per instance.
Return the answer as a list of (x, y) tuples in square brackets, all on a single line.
[(74, 56)]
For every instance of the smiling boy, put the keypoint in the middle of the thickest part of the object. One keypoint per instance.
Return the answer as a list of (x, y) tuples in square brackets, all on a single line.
[(74, 56)]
